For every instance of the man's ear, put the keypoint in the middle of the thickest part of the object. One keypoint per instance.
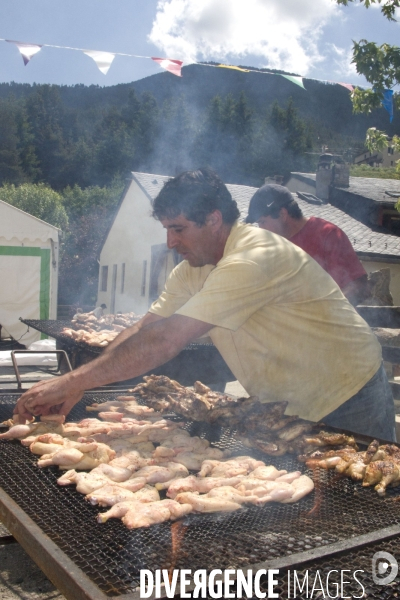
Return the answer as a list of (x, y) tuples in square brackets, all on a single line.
[(283, 214), (215, 219)]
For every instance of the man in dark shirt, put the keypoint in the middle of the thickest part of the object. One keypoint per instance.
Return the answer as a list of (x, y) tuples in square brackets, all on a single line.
[(274, 208)]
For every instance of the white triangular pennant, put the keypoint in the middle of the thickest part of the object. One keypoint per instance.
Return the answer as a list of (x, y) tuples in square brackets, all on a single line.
[(294, 79), (26, 50), (103, 60)]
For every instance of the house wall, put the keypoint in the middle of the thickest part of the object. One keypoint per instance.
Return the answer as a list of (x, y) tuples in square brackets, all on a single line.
[(387, 158), (129, 242), (371, 265)]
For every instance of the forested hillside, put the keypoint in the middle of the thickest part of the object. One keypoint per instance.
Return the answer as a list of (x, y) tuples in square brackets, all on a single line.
[(81, 143)]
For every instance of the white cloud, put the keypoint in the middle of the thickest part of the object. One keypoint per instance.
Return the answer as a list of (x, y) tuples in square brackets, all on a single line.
[(281, 34), (341, 60)]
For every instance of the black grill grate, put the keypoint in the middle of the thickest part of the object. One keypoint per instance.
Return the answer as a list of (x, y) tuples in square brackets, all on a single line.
[(112, 556), (196, 361), (358, 559), (54, 329)]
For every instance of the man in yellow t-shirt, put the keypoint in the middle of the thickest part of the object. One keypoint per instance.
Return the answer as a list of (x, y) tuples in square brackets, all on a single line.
[(279, 320)]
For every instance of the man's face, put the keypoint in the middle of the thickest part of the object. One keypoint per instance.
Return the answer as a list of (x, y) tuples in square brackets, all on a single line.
[(274, 225), (195, 243)]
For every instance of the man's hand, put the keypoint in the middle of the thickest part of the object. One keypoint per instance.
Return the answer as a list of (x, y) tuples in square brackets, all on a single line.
[(48, 397)]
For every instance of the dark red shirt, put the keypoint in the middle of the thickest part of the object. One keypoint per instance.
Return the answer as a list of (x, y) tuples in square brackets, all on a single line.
[(331, 248)]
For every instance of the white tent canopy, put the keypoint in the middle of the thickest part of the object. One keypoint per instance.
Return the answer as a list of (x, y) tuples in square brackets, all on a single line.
[(28, 271)]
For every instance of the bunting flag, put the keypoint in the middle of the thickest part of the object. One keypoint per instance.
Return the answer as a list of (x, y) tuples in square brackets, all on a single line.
[(26, 50), (346, 85), (294, 79), (102, 59), (387, 102), (235, 68), (173, 66)]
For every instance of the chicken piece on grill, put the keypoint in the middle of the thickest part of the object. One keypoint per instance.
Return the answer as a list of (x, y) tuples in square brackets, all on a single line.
[(228, 492), (18, 432), (204, 504), (196, 484), (109, 495), (382, 473), (117, 511), (387, 451), (240, 465), (89, 482), (266, 491), (267, 472), (160, 474), (346, 459), (293, 430), (325, 438), (327, 459), (111, 405), (272, 448), (78, 459), (50, 443), (194, 460), (180, 443), (146, 514), (113, 472), (303, 485)]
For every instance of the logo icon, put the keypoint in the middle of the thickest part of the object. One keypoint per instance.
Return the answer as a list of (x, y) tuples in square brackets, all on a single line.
[(384, 568)]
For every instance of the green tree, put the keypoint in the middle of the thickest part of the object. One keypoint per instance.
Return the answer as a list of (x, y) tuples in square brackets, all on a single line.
[(11, 170), (45, 114), (225, 139), (38, 200), (380, 65), (289, 138)]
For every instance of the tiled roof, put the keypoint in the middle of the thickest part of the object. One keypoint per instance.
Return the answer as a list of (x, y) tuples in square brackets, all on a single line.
[(364, 239), (150, 183), (374, 189)]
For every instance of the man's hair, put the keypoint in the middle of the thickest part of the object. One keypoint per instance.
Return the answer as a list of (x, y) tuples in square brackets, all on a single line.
[(195, 194), (293, 209)]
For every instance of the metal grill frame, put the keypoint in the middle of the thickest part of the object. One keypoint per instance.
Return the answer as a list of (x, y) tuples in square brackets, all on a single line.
[(76, 585), (196, 361)]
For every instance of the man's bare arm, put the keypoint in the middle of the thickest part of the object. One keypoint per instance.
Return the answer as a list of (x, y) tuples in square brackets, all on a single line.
[(146, 320), (151, 346)]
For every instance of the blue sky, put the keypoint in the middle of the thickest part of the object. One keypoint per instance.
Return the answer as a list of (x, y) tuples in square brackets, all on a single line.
[(310, 37)]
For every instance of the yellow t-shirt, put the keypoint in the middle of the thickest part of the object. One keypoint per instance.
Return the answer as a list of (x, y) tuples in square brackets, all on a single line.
[(280, 322)]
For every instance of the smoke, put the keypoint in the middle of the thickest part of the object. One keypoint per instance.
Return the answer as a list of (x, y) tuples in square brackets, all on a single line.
[(282, 34)]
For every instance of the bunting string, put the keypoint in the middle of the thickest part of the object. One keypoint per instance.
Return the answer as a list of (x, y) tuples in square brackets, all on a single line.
[(104, 60)]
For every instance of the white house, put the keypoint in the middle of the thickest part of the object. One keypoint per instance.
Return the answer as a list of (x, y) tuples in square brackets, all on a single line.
[(135, 260), (28, 271), (386, 158)]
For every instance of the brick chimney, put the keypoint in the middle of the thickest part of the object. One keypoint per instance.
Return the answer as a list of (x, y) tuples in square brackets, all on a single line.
[(324, 176), (331, 171)]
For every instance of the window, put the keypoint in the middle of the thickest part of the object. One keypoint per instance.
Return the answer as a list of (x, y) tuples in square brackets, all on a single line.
[(144, 275), (123, 278), (104, 279)]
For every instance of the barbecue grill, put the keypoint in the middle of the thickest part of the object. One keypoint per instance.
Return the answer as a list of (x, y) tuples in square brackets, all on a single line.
[(196, 362), (339, 517)]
